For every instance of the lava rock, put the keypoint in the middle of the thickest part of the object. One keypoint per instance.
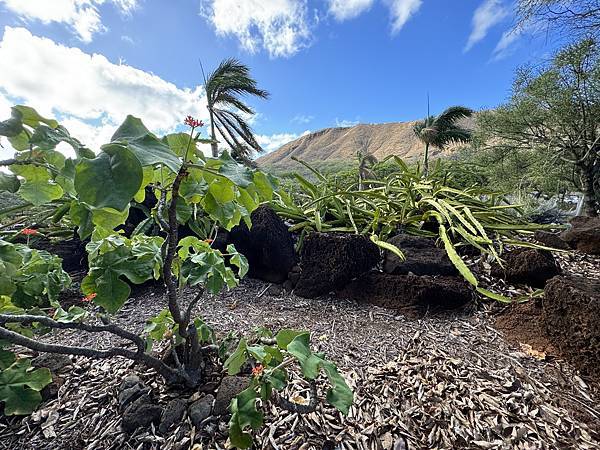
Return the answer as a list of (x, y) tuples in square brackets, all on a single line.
[(571, 318), (131, 389), (171, 414), (409, 292), (229, 388), (529, 266), (201, 409), (422, 257), (141, 413), (584, 234), (268, 245), (551, 240), (330, 260)]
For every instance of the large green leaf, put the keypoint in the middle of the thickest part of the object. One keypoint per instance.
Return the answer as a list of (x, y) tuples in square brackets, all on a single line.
[(236, 360), (109, 180), (20, 386), (31, 117), (9, 182), (145, 145), (39, 187)]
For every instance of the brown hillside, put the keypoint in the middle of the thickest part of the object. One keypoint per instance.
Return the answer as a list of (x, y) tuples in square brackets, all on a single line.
[(381, 140)]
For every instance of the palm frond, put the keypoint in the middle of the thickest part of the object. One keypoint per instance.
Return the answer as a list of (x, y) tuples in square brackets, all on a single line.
[(450, 116)]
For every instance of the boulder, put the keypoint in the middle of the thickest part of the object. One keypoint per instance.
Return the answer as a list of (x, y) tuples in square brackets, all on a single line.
[(268, 245), (171, 414), (141, 413), (409, 292), (330, 260), (422, 257), (528, 266), (571, 318), (229, 388), (584, 234), (550, 239), (201, 410)]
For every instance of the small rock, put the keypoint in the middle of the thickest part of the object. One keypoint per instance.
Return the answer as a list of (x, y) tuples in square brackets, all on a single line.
[(584, 234), (287, 286), (53, 361), (200, 410), (294, 277), (172, 413), (131, 389), (275, 290), (230, 387), (141, 413)]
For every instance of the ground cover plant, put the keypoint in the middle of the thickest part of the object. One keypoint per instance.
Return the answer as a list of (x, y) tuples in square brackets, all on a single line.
[(93, 193), (406, 200)]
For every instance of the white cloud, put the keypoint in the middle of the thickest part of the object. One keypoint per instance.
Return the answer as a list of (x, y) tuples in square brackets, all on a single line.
[(82, 16), (279, 26), (272, 142), (401, 11), (302, 119), (505, 45), (488, 14), (87, 92), (345, 123), (348, 9)]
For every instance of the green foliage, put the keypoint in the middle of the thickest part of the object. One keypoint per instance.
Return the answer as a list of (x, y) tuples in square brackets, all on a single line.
[(30, 277), (20, 384), (112, 256), (270, 364), (406, 201)]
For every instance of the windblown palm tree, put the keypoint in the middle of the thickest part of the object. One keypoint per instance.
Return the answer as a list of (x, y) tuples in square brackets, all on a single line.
[(224, 89), (243, 154), (442, 130)]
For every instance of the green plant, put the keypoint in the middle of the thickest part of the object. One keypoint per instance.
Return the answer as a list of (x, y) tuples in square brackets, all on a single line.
[(205, 193), (441, 131), (224, 87), (406, 201)]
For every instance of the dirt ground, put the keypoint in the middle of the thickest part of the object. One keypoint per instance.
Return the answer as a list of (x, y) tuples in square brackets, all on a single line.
[(439, 381)]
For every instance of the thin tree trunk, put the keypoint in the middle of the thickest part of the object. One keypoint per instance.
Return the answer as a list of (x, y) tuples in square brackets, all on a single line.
[(590, 204), (213, 135), (426, 160)]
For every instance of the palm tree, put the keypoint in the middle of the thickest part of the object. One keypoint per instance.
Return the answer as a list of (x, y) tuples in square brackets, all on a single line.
[(366, 161), (224, 87), (243, 154), (442, 130)]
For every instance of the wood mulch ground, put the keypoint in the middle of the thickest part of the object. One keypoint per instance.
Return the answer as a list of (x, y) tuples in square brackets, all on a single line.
[(446, 381)]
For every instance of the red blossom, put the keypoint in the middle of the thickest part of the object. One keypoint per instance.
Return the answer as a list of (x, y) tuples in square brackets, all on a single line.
[(89, 297), (29, 231), (257, 370), (194, 123)]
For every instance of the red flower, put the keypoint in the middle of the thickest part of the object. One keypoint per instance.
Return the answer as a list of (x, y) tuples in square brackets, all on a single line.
[(194, 123), (257, 370), (29, 231), (89, 297)]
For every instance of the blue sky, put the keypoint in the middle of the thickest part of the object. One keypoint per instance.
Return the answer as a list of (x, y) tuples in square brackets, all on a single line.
[(326, 63)]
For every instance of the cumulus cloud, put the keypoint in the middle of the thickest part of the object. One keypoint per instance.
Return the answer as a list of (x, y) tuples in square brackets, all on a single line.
[(348, 9), (281, 27), (87, 92), (82, 16), (272, 142), (401, 11), (488, 14)]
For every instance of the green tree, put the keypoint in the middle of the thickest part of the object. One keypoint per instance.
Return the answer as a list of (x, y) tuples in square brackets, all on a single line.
[(441, 131), (555, 109), (225, 88)]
